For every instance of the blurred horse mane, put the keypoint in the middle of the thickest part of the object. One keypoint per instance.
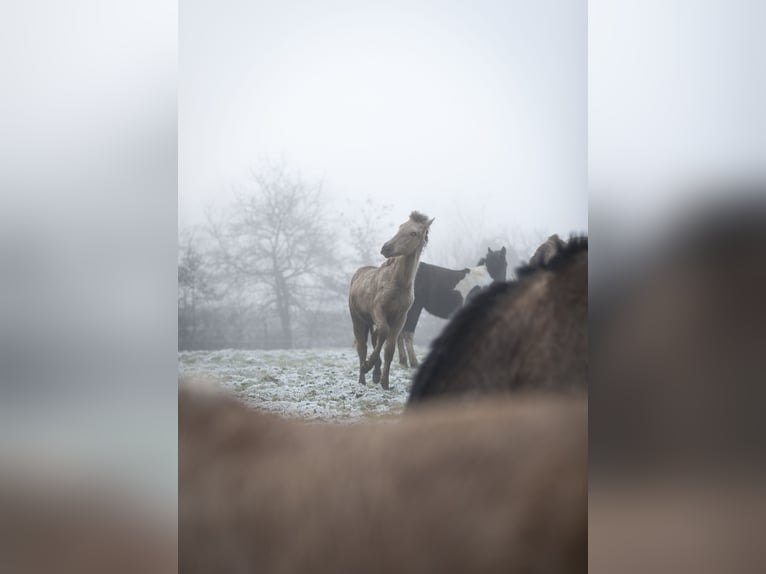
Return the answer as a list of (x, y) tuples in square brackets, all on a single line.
[(545, 252), (527, 334)]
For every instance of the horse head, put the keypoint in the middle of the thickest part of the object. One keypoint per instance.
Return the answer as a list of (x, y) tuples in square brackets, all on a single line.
[(412, 236), (496, 263)]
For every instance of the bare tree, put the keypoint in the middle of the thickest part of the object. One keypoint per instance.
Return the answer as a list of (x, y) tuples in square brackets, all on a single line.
[(524, 241), (369, 227), (277, 242), (195, 288)]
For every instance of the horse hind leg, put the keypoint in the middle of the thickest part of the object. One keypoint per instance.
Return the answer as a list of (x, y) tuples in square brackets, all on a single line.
[(376, 363), (360, 337), (402, 350), (411, 348), (379, 335)]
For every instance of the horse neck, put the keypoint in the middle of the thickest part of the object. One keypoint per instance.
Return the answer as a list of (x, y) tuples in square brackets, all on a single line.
[(406, 266)]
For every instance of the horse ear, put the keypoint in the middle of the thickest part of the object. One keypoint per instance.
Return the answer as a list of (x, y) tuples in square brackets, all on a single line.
[(503, 250), (430, 222)]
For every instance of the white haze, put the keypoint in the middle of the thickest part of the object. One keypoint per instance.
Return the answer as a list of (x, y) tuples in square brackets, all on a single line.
[(468, 111)]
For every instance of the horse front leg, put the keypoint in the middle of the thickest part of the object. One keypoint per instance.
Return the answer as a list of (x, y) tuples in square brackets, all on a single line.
[(380, 335), (376, 369), (388, 356), (394, 332), (360, 338)]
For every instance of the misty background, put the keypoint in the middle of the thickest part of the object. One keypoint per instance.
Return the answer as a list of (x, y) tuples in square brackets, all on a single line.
[(90, 105), (308, 133)]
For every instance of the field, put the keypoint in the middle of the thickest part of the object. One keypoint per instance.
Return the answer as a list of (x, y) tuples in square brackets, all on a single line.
[(315, 384)]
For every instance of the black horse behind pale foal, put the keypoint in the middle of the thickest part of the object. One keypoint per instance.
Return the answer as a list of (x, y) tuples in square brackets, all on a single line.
[(442, 291), (530, 334)]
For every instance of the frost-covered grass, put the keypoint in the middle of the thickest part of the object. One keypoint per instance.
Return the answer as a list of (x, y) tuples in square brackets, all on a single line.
[(315, 384)]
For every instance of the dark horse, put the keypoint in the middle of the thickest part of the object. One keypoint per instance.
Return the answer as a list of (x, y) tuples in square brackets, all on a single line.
[(442, 291), (527, 334)]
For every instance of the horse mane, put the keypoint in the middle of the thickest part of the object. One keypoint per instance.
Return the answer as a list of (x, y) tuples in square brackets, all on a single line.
[(477, 313), (570, 248), (418, 217), (461, 327), (482, 261)]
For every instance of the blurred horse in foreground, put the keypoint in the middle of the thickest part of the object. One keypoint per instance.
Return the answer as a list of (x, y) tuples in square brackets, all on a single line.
[(678, 333), (676, 427), (497, 488), (50, 525)]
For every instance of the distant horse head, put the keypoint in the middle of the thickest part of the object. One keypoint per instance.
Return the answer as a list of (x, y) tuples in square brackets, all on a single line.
[(496, 263), (412, 235)]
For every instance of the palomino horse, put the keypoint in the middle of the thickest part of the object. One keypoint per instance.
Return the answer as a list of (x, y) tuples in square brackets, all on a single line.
[(497, 488), (547, 250), (442, 291), (380, 297), (527, 334)]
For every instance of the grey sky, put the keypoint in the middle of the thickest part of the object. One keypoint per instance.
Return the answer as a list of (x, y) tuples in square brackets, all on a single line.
[(671, 116), (452, 108)]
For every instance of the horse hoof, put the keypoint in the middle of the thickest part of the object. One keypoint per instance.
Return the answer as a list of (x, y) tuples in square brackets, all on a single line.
[(385, 386)]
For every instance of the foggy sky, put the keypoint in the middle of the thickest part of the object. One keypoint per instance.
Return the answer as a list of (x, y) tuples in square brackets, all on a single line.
[(676, 113), (452, 108)]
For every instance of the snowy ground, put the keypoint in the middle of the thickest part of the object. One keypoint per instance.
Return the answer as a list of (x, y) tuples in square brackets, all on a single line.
[(315, 384)]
